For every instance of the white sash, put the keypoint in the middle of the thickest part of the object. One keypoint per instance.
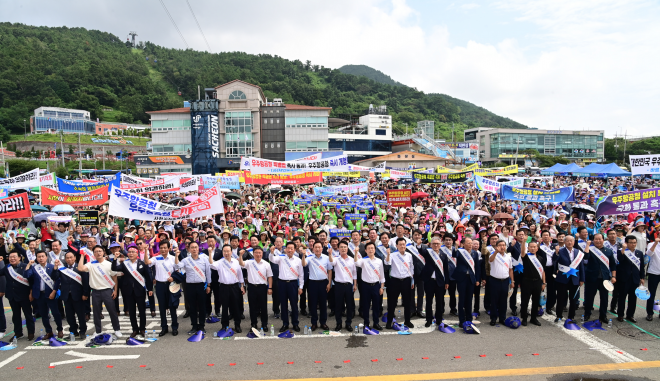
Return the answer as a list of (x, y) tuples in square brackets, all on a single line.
[(573, 264), (52, 255), (537, 264), (97, 267), (234, 255), (582, 244), (256, 267), (71, 274), (633, 258), (547, 249), (490, 249), (196, 268), (44, 276), (30, 256), (600, 255), (162, 264), (352, 247), (415, 252), (500, 258), (345, 267), (449, 254), (466, 255), (228, 266), (17, 277), (88, 253), (138, 277), (286, 259), (437, 261), (315, 264), (373, 268), (382, 249), (403, 260)]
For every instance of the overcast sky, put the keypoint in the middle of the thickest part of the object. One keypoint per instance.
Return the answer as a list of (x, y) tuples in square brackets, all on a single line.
[(569, 64)]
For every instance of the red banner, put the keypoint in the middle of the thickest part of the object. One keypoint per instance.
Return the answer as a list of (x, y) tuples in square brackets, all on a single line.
[(17, 206), (96, 197), (304, 178), (399, 198)]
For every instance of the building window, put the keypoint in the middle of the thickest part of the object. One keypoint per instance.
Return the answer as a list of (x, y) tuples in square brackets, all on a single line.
[(237, 94), (413, 156), (398, 156), (278, 145)]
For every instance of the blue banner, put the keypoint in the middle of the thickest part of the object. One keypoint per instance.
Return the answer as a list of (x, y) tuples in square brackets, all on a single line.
[(67, 186), (355, 217), (537, 195), (340, 233), (300, 201)]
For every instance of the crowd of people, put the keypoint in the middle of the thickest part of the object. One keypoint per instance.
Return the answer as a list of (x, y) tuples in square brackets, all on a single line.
[(312, 261)]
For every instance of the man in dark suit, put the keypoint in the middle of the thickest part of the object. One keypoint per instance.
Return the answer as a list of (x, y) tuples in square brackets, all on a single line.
[(17, 292), (570, 276), (45, 281), (515, 249), (137, 282), (601, 266), (419, 262), (216, 254), (630, 271), (467, 275), (74, 292), (433, 276)]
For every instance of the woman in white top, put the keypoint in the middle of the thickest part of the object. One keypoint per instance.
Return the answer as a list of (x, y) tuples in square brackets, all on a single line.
[(505, 236)]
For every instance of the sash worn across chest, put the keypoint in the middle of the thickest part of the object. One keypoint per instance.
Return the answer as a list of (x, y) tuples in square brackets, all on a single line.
[(71, 274), (18, 277), (97, 268), (413, 250), (537, 264), (437, 261), (196, 268), (317, 265), (133, 271), (632, 257), (44, 276), (600, 255), (228, 266), (468, 258)]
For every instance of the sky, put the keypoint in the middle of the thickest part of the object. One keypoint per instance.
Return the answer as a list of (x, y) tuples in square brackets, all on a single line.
[(550, 64)]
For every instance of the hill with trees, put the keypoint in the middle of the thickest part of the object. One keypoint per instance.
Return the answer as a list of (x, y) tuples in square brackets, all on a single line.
[(94, 70), (371, 73)]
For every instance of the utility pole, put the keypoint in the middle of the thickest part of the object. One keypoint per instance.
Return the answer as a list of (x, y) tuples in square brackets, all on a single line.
[(79, 158), (625, 144), (62, 144)]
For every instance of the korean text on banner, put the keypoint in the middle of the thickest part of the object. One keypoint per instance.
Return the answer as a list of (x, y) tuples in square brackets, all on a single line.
[(48, 181), (167, 184), (265, 166), (88, 217), (129, 205), (508, 170), (399, 198), (67, 186), (457, 177), (17, 206), (300, 179), (645, 164), (630, 202), (342, 174), (93, 198), (229, 182), (25, 181), (341, 189), (188, 184), (537, 195), (493, 186)]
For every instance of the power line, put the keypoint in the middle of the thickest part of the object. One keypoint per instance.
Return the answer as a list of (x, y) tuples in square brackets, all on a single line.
[(200, 28), (175, 26)]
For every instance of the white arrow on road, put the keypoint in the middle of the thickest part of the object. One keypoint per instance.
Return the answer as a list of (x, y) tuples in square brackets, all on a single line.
[(84, 357)]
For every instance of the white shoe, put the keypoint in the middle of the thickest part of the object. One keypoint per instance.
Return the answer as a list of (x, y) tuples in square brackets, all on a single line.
[(2, 334), (118, 334)]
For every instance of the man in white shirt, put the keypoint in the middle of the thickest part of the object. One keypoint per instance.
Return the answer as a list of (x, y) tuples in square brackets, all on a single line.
[(345, 286), (401, 281), (501, 274), (291, 282), (164, 268), (320, 271), (260, 285), (653, 272), (230, 278), (198, 274), (373, 278)]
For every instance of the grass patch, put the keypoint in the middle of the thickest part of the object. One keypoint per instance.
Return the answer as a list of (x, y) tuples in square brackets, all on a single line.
[(73, 139)]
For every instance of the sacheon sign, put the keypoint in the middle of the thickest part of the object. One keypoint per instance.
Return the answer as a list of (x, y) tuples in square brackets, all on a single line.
[(205, 136)]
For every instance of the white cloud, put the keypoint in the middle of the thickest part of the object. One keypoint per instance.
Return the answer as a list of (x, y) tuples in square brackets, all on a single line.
[(470, 6)]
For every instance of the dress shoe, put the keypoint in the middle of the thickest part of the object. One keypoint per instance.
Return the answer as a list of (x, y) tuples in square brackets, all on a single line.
[(388, 326), (284, 328), (135, 333), (238, 329), (377, 327), (242, 317), (102, 317), (313, 327), (612, 311), (453, 313), (649, 317), (203, 330), (153, 313), (332, 313), (620, 319), (414, 314), (524, 323), (428, 324), (303, 312), (48, 336), (254, 326), (60, 334), (557, 319), (175, 332), (492, 323), (296, 328), (82, 336), (501, 322), (277, 316), (631, 319), (192, 332), (325, 327), (409, 324), (30, 336), (338, 327), (604, 320), (514, 312), (535, 322), (348, 327), (163, 332), (549, 311), (186, 314)]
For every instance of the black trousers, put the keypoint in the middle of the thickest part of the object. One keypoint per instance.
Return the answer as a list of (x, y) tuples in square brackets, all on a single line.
[(318, 296), (399, 287), (131, 299), (615, 298), (289, 294), (215, 296), (117, 300), (231, 299), (258, 304), (75, 309), (550, 288), (513, 299), (3, 319), (452, 296), (487, 300), (416, 306), (16, 307), (370, 297), (152, 298), (499, 292), (653, 287), (477, 298), (45, 304), (626, 289), (590, 289), (433, 290), (567, 292), (344, 299), (276, 294), (465, 295), (305, 292), (531, 288), (163, 294), (196, 305)]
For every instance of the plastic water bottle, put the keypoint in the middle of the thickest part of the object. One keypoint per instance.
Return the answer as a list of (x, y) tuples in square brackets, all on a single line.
[(609, 324), (215, 333), (153, 334), (433, 325), (272, 330), (14, 342), (582, 319), (72, 337), (356, 330), (305, 331), (399, 315), (361, 328), (261, 332), (41, 334)]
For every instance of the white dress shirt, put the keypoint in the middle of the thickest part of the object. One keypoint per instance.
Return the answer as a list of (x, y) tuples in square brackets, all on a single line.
[(315, 263), (345, 269), (368, 266), (654, 263), (399, 269), (289, 273), (257, 271), (499, 268), (393, 242), (225, 275), (202, 263), (164, 267)]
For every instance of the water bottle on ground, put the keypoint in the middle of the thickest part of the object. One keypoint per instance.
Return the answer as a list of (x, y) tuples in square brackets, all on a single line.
[(361, 328), (433, 325), (609, 324), (72, 337), (272, 330), (153, 333), (261, 332), (305, 331), (215, 333), (41, 334), (355, 331)]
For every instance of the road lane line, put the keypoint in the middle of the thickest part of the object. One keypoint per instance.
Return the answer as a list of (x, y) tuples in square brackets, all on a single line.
[(12, 358)]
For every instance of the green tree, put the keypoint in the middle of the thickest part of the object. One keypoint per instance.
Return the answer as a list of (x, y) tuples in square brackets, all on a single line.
[(71, 150), (89, 152), (61, 172)]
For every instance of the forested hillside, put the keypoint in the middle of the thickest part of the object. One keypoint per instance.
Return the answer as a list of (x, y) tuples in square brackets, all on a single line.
[(93, 70), (371, 73)]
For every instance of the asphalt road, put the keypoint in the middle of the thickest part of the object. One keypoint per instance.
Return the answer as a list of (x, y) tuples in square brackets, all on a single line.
[(626, 352)]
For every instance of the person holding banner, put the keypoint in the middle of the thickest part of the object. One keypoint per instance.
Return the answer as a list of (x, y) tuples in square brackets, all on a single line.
[(164, 265), (291, 281), (17, 292), (570, 277), (630, 272), (401, 281), (435, 285), (74, 292), (137, 283), (45, 280), (533, 282), (230, 278), (600, 268), (345, 286)]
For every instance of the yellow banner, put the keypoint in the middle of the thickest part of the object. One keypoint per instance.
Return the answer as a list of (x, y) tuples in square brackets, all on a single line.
[(508, 170), (343, 174), (241, 178), (470, 167)]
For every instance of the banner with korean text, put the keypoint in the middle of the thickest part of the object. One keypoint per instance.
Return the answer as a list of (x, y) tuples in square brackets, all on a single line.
[(639, 201), (167, 184), (17, 206), (493, 186), (645, 164), (303, 178), (25, 181), (399, 198), (454, 177), (537, 195), (272, 167), (67, 186), (93, 198), (341, 189)]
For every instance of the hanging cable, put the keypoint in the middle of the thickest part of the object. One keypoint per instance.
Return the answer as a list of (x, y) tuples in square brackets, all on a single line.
[(175, 26), (198, 26)]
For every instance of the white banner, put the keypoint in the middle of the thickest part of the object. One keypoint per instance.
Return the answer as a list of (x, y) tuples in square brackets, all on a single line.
[(380, 167), (341, 189), (24, 181), (645, 164), (189, 184), (128, 179), (168, 184), (129, 205), (271, 167), (48, 181), (315, 156), (493, 186)]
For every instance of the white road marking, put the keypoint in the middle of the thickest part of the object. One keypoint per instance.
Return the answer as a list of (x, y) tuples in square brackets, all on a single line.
[(85, 357), (12, 358)]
